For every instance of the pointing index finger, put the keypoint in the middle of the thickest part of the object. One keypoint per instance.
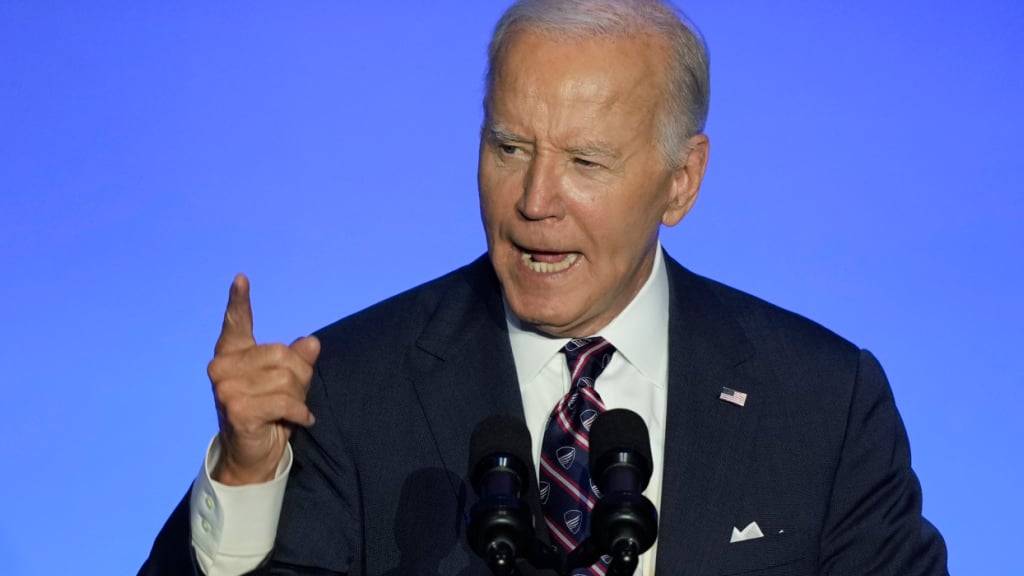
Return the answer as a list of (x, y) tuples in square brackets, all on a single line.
[(236, 331)]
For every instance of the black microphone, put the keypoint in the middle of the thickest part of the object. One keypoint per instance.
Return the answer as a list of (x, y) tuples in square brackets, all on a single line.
[(624, 523), (500, 523)]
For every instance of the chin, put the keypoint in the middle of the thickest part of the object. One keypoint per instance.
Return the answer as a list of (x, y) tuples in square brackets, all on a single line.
[(546, 303), (543, 314)]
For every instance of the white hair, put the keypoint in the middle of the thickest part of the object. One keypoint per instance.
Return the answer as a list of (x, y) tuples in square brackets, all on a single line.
[(687, 80)]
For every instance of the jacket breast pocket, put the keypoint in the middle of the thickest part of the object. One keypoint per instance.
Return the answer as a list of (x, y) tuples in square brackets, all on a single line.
[(768, 556)]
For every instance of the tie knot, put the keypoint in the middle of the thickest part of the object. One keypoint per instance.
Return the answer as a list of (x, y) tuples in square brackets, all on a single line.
[(587, 358)]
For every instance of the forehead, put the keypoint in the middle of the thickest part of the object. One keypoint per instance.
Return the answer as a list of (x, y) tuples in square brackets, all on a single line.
[(542, 75)]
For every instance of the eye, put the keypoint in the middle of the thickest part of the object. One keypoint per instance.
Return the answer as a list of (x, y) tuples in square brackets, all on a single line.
[(584, 163), (508, 149)]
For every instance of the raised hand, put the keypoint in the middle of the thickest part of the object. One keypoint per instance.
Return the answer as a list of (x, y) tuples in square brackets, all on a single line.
[(260, 392)]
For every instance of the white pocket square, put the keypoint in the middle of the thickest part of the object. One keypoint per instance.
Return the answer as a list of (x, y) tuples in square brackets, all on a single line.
[(751, 532)]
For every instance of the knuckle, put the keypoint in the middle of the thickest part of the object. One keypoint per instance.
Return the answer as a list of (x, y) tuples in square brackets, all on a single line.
[(214, 369), (287, 403), (226, 389), (226, 367), (278, 378), (277, 353), (305, 373), (291, 408)]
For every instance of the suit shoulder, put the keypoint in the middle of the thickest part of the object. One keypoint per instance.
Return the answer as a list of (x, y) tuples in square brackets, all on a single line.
[(808, 368), (393, 315), (772, 327), (397, 321)]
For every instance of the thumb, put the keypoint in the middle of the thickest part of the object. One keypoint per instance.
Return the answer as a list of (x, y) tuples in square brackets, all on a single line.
[(236, 331), (308, 348)]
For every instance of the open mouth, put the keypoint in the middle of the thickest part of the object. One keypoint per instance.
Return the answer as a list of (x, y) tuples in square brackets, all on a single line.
[(548, 262)]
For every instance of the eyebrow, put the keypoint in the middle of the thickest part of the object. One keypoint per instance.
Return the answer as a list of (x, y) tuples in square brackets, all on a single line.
[(583, 148), (502, 134), (593, 148)]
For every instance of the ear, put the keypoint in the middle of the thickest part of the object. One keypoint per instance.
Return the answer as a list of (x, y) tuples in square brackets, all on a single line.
[(686, 179)]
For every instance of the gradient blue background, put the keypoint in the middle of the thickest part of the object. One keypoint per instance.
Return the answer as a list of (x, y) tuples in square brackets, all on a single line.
[(865, 172)]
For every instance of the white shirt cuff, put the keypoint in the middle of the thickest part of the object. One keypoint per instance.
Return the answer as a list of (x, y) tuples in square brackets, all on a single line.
[(235, 521)]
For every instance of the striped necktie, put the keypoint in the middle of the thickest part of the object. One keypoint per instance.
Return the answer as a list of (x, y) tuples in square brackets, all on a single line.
[(567, 493)]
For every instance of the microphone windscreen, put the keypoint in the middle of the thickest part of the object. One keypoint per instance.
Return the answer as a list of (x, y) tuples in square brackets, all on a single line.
[(500, 434), (619, 430)]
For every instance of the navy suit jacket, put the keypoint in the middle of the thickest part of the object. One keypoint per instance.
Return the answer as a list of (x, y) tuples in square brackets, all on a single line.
[(818, 456)]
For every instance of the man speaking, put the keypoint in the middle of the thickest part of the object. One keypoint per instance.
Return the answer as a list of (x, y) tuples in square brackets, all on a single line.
[(776, 445)]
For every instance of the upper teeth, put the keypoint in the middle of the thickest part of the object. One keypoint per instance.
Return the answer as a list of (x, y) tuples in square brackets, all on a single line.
[(549, 267)]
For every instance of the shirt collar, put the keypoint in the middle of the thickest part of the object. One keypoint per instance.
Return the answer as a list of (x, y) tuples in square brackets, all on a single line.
[(639, 332)]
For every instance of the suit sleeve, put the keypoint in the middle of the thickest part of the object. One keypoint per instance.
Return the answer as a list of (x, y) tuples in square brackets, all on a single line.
[(172, 550), (874, 523), (318, 532), (320, 528)]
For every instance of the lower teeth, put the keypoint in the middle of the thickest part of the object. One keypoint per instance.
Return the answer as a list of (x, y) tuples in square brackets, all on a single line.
[(549, 267)]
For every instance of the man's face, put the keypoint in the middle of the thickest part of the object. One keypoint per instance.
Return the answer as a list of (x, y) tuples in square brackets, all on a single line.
[(573, 183)]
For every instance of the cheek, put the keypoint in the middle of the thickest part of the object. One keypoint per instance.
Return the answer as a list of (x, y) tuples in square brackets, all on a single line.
[(497, 187), (612, 227), (619, 234), (489, 200)]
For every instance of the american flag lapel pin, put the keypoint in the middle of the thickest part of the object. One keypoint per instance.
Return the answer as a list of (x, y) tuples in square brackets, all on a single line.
[(733, 396)]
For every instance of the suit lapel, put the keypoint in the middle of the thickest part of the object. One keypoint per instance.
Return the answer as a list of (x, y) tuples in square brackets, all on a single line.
[(463, 371), (462, 367), (706, 439)]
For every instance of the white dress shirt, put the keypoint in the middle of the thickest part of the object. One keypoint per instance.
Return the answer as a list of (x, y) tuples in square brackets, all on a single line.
[(636, 378), (233, 527)]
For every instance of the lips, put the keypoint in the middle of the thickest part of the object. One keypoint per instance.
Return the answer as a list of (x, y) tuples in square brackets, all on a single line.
[(547, 261)]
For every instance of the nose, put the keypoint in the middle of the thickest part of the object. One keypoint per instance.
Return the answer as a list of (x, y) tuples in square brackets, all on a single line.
[(541, 198)]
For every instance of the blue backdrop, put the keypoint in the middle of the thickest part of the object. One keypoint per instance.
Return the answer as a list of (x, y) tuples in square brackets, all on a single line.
[(866, 172)]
